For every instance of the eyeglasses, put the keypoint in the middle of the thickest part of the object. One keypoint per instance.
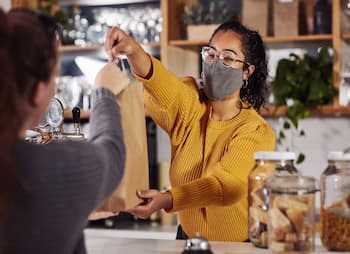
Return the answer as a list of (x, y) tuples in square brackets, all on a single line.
[(227, 57)]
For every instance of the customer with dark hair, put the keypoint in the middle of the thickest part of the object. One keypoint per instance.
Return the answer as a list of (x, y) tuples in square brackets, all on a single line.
[(48, 191), (213, 137)]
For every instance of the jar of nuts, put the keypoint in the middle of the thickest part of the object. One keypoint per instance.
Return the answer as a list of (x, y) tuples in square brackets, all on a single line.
[(335, 203), (267, 164), (291, 213)]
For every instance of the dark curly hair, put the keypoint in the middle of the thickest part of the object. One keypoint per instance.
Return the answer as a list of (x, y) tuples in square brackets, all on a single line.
[(254, 90)]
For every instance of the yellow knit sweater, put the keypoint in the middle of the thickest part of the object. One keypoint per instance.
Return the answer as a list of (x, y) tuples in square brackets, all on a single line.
[(210, 160)]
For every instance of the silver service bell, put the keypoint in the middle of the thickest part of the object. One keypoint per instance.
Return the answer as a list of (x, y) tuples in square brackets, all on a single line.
[(197, 245)]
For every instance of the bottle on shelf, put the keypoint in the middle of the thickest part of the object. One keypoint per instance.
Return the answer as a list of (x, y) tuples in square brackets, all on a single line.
[(322, 17)]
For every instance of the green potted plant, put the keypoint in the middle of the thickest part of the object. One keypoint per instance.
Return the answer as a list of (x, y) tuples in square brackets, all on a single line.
[(201, 19), (301, 84)]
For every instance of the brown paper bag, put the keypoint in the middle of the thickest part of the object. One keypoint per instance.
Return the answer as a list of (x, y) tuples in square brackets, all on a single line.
[(135, 177), (255, 15), (285, 17)]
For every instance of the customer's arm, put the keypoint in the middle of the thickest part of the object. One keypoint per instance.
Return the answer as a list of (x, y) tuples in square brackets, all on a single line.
[(100, 161), (106, 132)]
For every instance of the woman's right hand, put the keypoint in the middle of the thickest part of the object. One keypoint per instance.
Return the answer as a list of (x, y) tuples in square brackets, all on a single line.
[(119, 43)]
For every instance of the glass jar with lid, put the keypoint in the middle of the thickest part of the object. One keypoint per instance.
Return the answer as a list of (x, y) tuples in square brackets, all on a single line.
[(335, 203), (267, 164), (291, 213)]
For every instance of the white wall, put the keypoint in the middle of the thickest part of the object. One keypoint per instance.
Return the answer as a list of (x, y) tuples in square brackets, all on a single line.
[(322, 136)]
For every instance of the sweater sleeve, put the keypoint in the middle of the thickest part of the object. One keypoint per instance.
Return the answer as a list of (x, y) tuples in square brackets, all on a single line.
[(106, 139), (171, 102), (94, 167), (225, 182), (59, 184)]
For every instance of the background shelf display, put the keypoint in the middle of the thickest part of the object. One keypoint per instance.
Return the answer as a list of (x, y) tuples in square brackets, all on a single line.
[(181, 56)]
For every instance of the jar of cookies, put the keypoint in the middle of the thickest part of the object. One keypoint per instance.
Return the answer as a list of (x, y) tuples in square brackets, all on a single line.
[(291, 213), (335, 203), (267, 164)]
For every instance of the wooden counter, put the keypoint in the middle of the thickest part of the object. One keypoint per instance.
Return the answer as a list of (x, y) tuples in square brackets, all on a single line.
[(112, 244)]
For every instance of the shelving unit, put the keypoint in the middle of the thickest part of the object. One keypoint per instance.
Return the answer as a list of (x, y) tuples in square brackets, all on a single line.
[(74, 48), (322, 111), (300, 38), (346, 36), (268, 39), (181, 55)]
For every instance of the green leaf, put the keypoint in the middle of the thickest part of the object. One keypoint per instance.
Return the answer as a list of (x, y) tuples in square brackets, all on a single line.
[(308, 82), (286, 125), (282, 136), (301, 158)]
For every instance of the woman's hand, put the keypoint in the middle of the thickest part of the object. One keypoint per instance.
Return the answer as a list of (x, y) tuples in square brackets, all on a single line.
[(119, 43), (111, 77), (154, 201), (101, 215)]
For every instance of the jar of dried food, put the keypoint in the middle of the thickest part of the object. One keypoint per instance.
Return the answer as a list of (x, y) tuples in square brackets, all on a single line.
[(335, 203), (267, 164), (291, 213)]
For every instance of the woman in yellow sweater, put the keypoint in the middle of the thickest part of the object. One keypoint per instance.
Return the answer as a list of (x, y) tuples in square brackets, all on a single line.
[(213, 134)]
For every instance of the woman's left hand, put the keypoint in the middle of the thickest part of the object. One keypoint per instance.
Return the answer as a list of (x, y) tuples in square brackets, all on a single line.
[(154, 201), (101, 215)]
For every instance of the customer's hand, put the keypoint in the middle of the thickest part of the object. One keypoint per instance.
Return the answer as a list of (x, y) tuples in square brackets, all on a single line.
[(111, 77), (119, 43), (101, 215), (154, 201)]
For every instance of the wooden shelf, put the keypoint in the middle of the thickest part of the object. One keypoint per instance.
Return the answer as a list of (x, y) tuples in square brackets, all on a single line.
[(186, 43), (346, 36), (299, 38), (74, 48), (269, 111), (268, 39), (322, 111), (152, 44)]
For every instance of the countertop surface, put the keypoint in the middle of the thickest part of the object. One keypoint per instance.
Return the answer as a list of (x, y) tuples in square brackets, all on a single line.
[(102, 241)]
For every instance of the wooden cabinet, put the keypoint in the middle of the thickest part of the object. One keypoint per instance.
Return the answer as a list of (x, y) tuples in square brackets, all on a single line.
[(182, 56)]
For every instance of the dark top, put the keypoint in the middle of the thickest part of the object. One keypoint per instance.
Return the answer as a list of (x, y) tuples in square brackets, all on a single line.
[(60, 183)]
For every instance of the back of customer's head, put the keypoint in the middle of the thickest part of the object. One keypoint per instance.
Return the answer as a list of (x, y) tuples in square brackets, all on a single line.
[(34, 48), (28, 54), (254, 51)]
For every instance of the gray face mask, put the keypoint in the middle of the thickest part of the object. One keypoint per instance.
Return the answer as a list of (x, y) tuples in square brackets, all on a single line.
[(220, 80)]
